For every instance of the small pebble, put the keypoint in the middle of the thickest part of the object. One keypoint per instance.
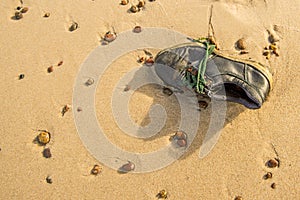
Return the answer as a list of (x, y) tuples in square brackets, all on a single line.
[(60, 63), (18, 15), (180, 138), (109, 36), (266, 53), (50, 69), (167, 91), (179, 135), (272, 47), (44, 137), (134, 9), (127, 88), (181, 143), (273, 185), (127, 167), (124, 2), (141, 4), (24, 10), (21, 76), (268, 175), (89, 82), (47, 14), (272, 163), (49, 180), (137, 29), (149, 61), (79, 109), (47, 153), (141, 59), (96, 170), (73, 26), (65, 109), (241, 44), (163, 194)]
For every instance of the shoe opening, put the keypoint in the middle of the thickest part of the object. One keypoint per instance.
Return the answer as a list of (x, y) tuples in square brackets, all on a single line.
[(235, 93)]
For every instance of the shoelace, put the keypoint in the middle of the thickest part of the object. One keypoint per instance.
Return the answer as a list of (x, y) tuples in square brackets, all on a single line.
[(200, 82), (202, 67)]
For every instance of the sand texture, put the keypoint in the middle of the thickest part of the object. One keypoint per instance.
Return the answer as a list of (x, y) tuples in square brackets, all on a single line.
[(237, 164)]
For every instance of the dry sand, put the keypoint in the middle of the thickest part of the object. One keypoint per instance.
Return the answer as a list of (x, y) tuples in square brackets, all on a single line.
[(235, 167)]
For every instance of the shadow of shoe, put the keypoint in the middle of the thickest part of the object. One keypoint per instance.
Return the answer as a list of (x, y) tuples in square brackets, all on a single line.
[(173, 111)]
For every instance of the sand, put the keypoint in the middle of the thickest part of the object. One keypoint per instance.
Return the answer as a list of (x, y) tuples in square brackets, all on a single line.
[(235, 166)]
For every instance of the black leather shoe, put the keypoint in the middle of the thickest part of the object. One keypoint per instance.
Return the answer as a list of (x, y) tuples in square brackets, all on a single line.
[(224, 78)]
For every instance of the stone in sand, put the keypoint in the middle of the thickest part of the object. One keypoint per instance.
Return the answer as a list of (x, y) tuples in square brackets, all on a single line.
[(21, 76), (273, 185), (47, 14), (134, 9), (167, 91), (241, 44), (181, 143), (272, 163), (268, 175), (124, 2), (49, 179), (89, 82), (47, 153), (127, 167), (96, 170), (137, 29), (73, 26), (44, 137), (24, 10), (50, 69), (18, 15)]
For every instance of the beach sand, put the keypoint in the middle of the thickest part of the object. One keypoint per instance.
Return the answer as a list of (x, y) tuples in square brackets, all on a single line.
[(235, 166)]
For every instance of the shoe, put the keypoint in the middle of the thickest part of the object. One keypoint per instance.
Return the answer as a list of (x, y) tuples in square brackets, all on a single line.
[(220, 77)]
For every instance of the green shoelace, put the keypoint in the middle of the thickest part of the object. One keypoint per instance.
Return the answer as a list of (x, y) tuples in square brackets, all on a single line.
[(200, 81)]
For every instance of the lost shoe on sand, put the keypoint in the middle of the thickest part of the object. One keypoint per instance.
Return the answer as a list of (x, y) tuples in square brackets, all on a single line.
[(199, 66)]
